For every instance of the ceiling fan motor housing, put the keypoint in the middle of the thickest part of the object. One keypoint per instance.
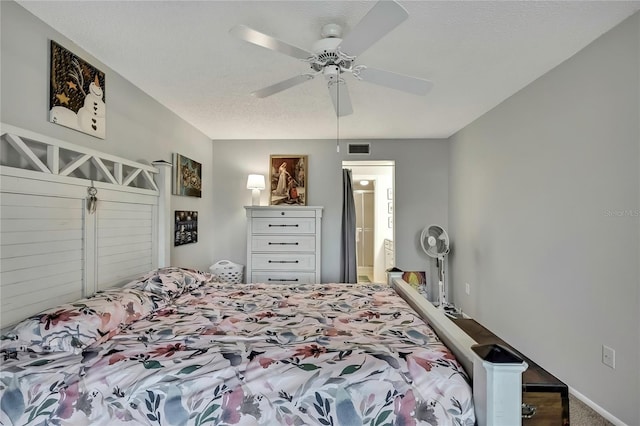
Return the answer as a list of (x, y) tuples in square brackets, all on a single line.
[(326, 52)]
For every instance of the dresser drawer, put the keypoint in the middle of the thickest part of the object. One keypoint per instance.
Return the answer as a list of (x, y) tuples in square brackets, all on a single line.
[(284, 277), (283, 243), (284, 262), (283, 213), (283, 225)]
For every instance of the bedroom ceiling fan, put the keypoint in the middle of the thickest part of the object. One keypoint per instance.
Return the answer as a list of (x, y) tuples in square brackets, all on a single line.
[(333, 56)]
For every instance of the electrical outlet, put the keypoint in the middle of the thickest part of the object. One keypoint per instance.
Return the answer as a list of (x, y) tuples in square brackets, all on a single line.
[(608, 356), (467, 288)]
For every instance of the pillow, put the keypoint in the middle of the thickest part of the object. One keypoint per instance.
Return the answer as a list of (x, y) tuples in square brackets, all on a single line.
[(170, 282), (73, 326)]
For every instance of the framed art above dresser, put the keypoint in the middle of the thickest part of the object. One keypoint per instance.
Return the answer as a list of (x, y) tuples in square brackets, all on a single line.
[(283, 244)]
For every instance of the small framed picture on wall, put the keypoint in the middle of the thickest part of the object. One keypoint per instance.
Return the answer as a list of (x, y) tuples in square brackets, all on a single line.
[(186, 227), (187, 176)]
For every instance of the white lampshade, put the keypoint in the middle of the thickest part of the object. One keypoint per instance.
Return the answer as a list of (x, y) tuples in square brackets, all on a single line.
[(255, 182)]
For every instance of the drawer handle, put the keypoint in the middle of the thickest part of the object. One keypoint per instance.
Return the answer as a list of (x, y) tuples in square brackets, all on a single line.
[(284, 261), (283, 226), (528, 410), (282, 244), (283, 280)]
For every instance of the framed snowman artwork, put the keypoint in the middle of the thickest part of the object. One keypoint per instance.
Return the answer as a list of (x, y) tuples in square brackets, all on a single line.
[(77, 93)]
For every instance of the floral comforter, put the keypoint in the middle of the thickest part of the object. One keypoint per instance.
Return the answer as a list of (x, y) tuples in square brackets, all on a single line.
[(258, 354)]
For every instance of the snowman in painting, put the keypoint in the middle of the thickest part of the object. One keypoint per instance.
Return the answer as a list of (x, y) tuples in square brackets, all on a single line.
[(91, 117)]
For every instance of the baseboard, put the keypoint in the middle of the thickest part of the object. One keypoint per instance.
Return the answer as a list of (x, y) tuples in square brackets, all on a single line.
[(598, 409)]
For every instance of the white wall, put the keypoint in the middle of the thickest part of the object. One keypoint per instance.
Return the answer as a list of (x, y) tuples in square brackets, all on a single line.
[(138, 127), (421, 192), (539, 188)]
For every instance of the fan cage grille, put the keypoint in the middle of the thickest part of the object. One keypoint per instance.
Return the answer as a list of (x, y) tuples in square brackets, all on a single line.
[(330, 58)]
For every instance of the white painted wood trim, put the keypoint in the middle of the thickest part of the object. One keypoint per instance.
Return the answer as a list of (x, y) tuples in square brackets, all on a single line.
[(318, 245), (90, 253), (21, 147), (53, 159), (71, 167), (117, 171), (106, 173), (150, 180), (163, 212), (27, 134), (8, 172), (134, 174)]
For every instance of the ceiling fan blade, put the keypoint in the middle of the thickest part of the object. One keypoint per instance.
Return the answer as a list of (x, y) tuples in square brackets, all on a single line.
[(381, 19), (413, 85), (252, 36), (283, 85), (340, 97)]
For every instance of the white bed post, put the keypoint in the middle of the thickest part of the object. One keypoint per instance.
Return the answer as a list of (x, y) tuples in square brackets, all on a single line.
[(163, 181)]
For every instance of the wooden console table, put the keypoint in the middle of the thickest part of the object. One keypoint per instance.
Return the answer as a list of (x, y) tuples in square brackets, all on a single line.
[(539, 387)]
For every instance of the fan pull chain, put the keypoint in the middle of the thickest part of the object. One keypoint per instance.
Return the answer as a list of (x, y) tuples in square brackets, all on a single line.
[(338, 117)]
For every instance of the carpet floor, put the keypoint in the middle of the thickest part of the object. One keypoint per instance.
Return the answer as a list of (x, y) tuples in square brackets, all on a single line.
[(582, 415)]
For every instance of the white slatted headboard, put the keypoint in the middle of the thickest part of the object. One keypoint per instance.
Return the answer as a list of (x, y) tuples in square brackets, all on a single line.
[(52, 250)]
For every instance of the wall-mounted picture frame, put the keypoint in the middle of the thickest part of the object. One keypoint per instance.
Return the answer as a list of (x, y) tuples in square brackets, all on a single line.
[(389, 193), (76, 93), (186, 227), (187, 176), (288, 181)]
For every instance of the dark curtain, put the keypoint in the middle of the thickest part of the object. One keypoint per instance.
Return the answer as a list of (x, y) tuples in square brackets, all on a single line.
[(348, 263)]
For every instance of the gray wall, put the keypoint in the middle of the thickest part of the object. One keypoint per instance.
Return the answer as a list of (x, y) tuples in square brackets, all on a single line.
[(421, 192), (544, 206), (138, 127)]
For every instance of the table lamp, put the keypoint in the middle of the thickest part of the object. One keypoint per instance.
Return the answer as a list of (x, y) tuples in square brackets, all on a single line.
[(255, 183)]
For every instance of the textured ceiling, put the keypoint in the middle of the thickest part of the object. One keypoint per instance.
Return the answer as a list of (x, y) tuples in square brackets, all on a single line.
[(477, 53)]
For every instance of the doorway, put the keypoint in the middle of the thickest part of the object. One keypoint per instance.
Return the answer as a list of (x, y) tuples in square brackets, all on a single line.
[(364, 198), (373, 187)]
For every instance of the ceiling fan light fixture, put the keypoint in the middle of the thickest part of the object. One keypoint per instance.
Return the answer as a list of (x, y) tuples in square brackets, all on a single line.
[(331, 31), (331, 72)]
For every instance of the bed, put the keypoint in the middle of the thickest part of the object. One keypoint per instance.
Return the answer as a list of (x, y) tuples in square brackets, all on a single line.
[(105, 341), (175, 348)]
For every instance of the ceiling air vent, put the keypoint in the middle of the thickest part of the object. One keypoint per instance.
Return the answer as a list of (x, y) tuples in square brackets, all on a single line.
[(360, 148)]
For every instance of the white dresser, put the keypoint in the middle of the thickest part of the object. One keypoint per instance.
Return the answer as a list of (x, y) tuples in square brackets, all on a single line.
[(283, 244)]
